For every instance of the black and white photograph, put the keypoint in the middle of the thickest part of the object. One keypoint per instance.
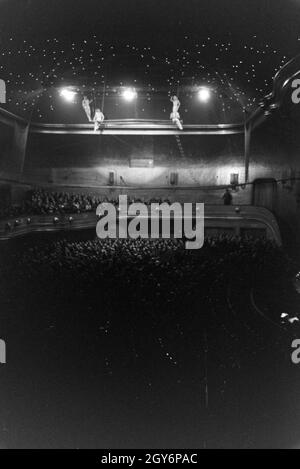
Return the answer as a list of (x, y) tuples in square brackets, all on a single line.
[(149, 227)]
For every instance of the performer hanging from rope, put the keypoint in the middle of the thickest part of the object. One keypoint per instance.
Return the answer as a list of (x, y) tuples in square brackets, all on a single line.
[(98, 119), (175, 116), (86, 104)]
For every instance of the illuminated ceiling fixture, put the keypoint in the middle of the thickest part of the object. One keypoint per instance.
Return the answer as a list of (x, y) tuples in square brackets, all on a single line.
[(129, 94), (68, 94), (204, 94)]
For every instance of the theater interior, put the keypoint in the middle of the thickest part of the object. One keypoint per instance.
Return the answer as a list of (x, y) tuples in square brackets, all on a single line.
[(141, 343)]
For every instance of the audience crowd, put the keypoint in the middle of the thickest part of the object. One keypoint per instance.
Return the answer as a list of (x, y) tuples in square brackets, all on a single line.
[(151, 268), (155, 317), (42, 202)]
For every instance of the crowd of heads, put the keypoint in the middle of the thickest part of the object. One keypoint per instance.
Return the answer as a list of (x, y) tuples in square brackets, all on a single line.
[(43, 202), (40, 201), (162, 264), (159, 286), (143, 313)]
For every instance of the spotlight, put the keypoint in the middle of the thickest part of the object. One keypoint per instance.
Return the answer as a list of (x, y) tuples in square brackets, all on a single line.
[(129, 94), (68, 94), (204, 94)]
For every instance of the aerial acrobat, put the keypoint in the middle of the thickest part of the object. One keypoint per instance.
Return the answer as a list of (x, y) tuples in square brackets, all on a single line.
[(86, 104), (98, 119), (175, 116)]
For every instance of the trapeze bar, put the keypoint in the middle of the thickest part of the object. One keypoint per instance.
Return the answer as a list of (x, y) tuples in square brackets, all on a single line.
[(137, 127)]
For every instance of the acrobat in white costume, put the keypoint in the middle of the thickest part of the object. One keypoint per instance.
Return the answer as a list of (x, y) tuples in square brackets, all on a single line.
[(175, 116), (87, 108), (98, 119)]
